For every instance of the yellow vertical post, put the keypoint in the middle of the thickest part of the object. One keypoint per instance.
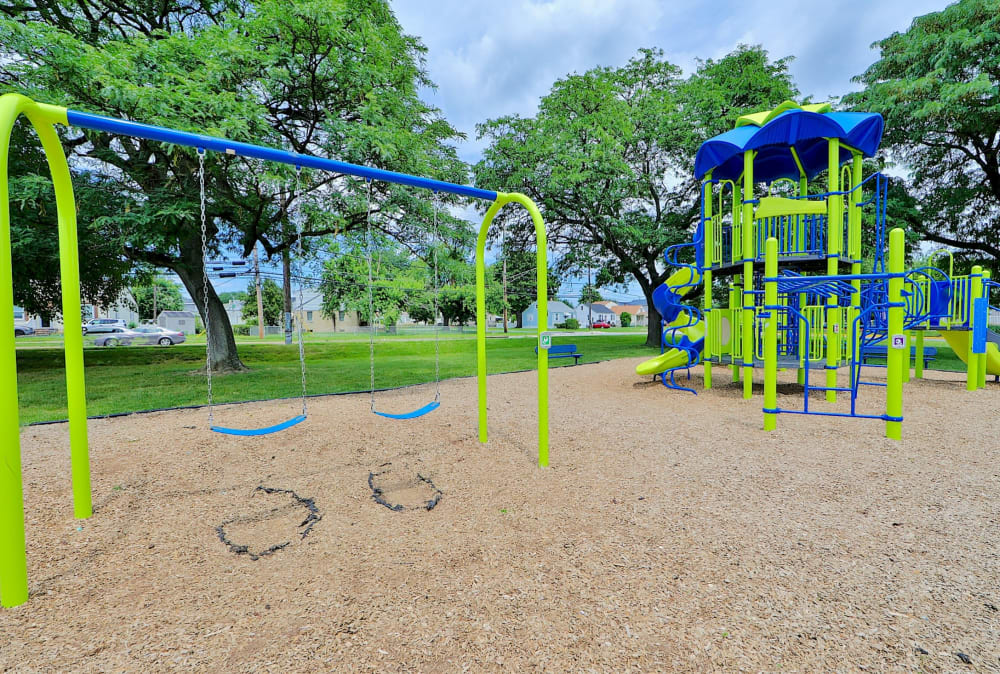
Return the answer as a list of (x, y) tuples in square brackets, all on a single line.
[(834, 236), (733, 332), (748, 259), (13, 567), (973, 361), (918, 359), (894, 356), (770, 335), (854, 219), (541, 275), (709, 234), (981, 369), (908, 358)]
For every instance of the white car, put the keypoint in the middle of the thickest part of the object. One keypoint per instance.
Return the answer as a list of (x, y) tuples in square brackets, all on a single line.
[(96, 325), (22, 329)]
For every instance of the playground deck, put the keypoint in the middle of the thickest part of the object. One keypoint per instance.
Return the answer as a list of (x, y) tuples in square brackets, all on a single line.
[(816, 547)]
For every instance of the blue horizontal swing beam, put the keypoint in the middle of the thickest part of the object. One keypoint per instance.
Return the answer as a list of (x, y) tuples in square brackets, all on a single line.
[(123, 127)]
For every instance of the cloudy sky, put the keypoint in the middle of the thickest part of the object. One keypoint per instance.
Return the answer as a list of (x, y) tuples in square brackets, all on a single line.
[(497, 57)]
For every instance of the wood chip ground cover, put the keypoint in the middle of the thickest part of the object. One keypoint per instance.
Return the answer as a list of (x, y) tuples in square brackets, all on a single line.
[(670, 533)]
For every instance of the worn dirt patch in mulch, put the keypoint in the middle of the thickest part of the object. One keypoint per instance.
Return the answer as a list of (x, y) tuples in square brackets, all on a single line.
[(671, 533)]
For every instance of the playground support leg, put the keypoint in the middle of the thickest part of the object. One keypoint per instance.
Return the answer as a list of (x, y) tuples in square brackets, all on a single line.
[(918, 361), (541, 276), (749, 255), (707, 276), (13, 566), (895, 357), (907, 359), (982, 357), (771, 335), (973, 360)]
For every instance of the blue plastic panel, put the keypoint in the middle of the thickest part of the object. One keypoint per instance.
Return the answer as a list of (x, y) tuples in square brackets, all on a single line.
[(429, 407), (260, 431), (979, 311)]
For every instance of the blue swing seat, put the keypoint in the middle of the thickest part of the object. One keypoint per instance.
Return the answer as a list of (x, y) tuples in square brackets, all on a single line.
[(260, 431), (429, 407)]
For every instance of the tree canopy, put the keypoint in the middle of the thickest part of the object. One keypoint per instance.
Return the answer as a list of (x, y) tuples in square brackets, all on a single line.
[(938, 87), (156, 295), (336, 79), (609, 157), (271, 297)]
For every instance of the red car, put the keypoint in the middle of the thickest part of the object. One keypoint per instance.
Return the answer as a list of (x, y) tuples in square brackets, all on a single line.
[(601, 324)]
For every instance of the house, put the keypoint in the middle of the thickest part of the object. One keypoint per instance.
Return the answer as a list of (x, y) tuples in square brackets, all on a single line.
[(639, 313), (311, 317), (599, 313), (179, 321), (125, 309), (558, 313)]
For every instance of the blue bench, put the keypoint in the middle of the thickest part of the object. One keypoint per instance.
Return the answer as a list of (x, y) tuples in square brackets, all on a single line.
[(881, 351), (564, 351)]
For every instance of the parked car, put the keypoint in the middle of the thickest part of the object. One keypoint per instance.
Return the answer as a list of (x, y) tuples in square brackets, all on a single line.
[(22, 329), (601, 324), (97, 325), (144, 334)]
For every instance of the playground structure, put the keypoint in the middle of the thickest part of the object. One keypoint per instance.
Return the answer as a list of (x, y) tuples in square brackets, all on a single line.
[(814, 277), (44, 118)]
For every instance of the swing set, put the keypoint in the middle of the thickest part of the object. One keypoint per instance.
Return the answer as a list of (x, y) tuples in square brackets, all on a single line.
[(44, 118)]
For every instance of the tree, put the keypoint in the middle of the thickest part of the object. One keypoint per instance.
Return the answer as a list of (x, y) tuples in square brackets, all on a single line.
[(156, 295), (609, 158), (272, 298), (936, 86), (626, 319), (522, 288), (589, 294), (347, 89)]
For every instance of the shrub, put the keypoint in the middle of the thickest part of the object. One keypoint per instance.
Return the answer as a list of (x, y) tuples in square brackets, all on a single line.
[(626, 319), (241, 329), (569, 324)]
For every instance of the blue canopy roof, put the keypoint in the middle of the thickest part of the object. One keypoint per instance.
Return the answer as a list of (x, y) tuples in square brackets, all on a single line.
[(806, 130)]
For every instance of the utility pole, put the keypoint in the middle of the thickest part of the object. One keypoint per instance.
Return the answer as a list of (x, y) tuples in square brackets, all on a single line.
[(505, 295), (154, 298), (260, 297), (590, 305), (286, 275)]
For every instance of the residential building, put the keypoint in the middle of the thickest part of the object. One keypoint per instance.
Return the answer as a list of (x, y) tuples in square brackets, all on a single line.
[(311, 316), (558, 313), (598, 312), (639, 313), (125, 309)]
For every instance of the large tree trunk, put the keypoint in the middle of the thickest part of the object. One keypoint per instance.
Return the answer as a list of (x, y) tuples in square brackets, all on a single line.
[(190, 269), (653, 330)]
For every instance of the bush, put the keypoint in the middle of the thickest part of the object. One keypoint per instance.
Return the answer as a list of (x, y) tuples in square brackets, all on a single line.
[(569, 324), (132, 325), (626, 319), (242, 329)]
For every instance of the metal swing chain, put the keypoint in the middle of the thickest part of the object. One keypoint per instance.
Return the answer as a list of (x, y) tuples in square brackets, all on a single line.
[(302, 304), (437, 289), (204, 285), (371, 299)]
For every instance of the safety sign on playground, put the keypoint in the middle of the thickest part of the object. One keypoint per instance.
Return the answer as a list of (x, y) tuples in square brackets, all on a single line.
[(899, 341)]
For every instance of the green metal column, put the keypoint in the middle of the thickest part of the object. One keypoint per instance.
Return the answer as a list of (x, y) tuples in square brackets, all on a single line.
[(748, 258), (894, 357), (982, 356), (708, 229), (974, 362), (918, 360), (854, 215), (13, 566), (541, 276), (770, 335), (833, 238)]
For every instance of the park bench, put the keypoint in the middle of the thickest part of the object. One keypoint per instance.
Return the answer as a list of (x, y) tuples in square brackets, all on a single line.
[(564, 351), (881, 351)]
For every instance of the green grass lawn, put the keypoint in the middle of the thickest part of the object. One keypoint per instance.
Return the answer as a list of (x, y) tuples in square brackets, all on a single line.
[(129, 379)]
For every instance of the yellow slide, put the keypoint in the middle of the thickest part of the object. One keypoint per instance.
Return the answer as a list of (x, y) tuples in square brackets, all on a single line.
[(674, 357), (958, 340)]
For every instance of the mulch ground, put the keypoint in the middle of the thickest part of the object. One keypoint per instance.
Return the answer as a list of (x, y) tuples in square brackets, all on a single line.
[(671, 533)]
